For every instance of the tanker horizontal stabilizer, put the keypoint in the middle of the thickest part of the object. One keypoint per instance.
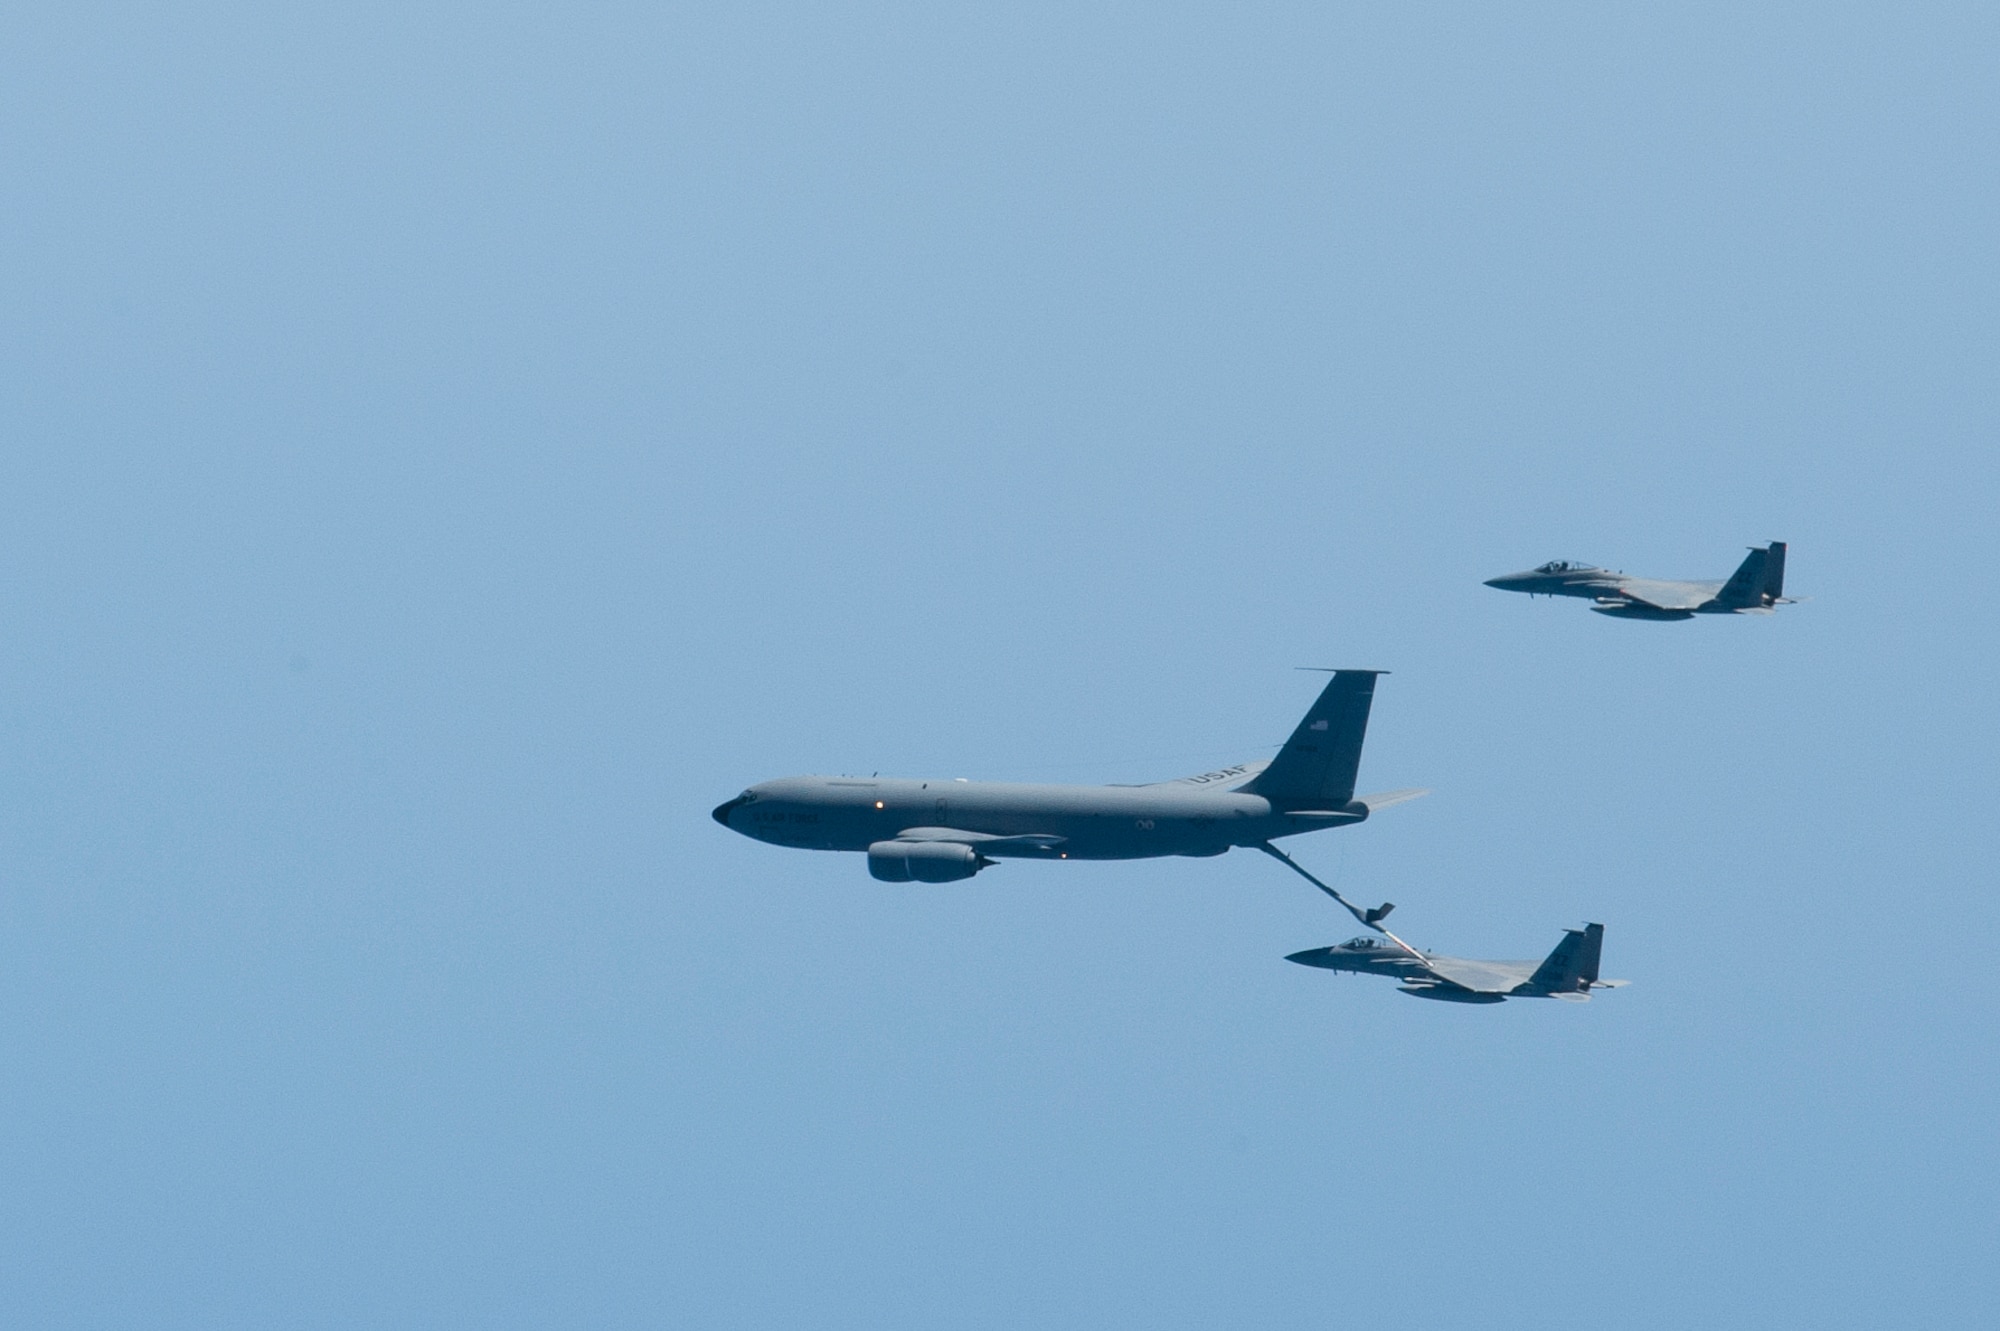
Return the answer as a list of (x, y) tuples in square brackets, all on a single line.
[(1390, 798)]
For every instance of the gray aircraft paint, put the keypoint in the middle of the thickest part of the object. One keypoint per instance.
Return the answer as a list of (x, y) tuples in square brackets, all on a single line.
[(1757, 587), (1569, 972), (942, 830)]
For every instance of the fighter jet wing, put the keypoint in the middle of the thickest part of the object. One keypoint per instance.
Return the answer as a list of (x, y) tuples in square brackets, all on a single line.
[(1481, 977), (1662, 595)]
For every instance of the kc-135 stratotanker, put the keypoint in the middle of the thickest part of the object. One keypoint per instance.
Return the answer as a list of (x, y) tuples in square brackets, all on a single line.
[(940, 831)]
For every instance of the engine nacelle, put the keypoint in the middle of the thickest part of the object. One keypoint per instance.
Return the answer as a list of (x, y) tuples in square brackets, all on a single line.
[(923, 861)]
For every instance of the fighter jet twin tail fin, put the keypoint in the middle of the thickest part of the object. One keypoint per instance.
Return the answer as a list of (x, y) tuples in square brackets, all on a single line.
[(1755, 588), (1758, 582), (1569, 972)]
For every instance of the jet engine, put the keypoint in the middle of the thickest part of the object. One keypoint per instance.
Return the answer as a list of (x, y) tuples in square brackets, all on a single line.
[(924, 861)]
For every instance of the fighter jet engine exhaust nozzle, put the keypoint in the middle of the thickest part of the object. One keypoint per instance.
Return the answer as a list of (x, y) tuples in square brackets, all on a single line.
[(924, 861)]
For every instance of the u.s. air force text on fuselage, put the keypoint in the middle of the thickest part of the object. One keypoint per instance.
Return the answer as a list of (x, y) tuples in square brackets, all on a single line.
[(943, 830)]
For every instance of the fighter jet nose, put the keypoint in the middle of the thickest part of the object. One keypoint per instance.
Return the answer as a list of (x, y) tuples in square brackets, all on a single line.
[(1495, 582)]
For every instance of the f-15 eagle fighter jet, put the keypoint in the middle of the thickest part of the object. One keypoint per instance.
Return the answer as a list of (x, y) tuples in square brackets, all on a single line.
[(1569, 972), (1756, 588)]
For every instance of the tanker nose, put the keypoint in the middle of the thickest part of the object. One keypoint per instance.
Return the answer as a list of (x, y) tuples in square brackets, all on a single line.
[(722, 811)]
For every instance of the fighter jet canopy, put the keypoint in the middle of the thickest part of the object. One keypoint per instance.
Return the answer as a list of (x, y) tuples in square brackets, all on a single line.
[(1566, 566)]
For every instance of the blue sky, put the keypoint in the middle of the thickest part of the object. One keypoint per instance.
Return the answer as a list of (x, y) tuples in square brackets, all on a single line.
[(450, 448)]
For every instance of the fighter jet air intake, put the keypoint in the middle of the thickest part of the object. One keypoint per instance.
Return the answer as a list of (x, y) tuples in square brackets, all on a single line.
[(1756, 588), (939, 831)]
